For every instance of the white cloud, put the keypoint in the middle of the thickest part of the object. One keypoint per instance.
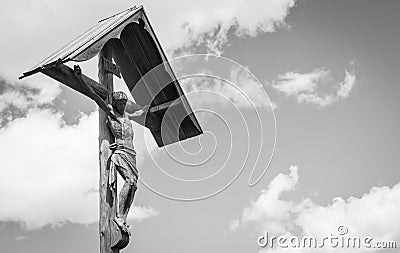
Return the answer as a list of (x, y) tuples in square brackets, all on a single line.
[(314, 98), (209, 22), (141, 213), (13, 98), (20, 238), (305, 87), (347, 85), (24, 95), (51, 169), (292, 83), (269, 211), (239, 89), (375, 214)]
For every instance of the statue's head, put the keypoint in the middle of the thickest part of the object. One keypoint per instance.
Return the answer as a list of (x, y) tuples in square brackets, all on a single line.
[(119, 100)]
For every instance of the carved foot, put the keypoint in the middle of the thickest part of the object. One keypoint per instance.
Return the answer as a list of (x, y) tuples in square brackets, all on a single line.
[(120, 234), (122, 224)]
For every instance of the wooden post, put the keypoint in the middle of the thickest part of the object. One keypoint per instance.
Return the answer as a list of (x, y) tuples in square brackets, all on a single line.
[(108, 194)]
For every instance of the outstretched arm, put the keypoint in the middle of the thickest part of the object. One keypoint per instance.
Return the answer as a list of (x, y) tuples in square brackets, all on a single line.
[(93, 95), (139, 110)]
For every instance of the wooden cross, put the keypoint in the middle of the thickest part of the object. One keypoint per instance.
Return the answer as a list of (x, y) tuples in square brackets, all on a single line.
[(112, 238), (128, 38), (110, 234)]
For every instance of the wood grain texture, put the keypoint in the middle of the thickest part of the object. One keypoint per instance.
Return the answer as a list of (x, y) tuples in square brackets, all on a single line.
[(65, 75), (109, 66), (108, 194)]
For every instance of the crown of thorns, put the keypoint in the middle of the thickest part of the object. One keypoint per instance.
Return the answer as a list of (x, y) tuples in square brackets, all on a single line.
[(118, 95)]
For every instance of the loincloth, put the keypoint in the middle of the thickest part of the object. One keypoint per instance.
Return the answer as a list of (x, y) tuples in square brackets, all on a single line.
[(122, 159)]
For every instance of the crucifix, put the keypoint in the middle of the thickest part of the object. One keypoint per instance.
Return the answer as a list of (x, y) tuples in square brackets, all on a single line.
[(128, 48)]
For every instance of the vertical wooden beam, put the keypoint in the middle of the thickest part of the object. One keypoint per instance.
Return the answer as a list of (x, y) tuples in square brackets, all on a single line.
[(108, 194)]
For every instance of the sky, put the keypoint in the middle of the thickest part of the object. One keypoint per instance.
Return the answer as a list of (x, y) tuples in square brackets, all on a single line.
[(297, 100)]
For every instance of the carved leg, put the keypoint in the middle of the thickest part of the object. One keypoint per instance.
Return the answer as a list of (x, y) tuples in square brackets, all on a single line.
[(123, 199), (126, 196), (129, 200)]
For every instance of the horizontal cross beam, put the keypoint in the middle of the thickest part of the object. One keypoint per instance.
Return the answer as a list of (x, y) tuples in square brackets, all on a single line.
[(65, 75), (165, 105)]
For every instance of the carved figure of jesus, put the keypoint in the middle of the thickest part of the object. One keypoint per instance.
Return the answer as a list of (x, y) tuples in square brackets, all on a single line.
[(123, 158)]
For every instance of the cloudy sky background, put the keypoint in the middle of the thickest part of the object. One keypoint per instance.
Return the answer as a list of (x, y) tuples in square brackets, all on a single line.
[(329, 68)]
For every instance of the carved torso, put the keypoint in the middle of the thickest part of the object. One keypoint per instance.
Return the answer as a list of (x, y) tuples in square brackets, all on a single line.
[(122, 130)]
